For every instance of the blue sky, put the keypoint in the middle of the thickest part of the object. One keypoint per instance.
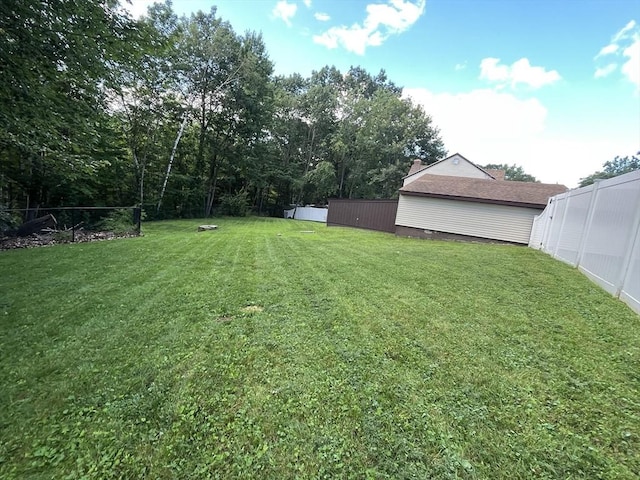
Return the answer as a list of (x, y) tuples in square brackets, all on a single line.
[(551, 85)]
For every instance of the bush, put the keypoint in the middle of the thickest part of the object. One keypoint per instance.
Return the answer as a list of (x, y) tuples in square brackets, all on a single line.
[(235, 205), (9, 221), (118, 221)]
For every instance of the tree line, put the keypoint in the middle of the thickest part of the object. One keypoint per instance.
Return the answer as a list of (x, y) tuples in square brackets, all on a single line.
[(185, 116)]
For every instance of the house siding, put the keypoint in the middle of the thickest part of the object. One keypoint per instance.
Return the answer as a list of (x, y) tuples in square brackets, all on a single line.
[(499, 222), (463, 168)]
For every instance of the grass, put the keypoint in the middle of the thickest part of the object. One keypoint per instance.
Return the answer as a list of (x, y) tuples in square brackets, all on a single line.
[(263, 351)]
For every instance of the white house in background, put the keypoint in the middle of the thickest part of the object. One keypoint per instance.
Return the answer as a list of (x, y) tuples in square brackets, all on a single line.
[(456, 198)]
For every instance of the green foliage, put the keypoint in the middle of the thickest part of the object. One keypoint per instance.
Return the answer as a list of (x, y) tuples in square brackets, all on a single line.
[(62, 236), (235, 204), (514, 173), (99, 109), (118, 221), (321, 182), (55, 59), (613, 168), (261, 351), (9, 221)]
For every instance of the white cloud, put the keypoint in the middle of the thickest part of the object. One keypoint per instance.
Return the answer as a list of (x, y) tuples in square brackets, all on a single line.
[(307, 3), (631, 68), (460, 66), (322, 17), (489, 126), (609, 49), (622, 34), (604, 71), (623, 51), (382, 21), (520, 72), (137, 8), (482, 114), (285, 11)]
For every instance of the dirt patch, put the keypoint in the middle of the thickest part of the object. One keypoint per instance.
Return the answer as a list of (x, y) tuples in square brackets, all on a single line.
[(252, 309)]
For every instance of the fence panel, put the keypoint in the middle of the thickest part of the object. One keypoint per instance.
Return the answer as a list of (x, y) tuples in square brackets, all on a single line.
[(379, 215), (611, 233), (572, 230), (631, 291), (555, 228), (597, 229), (313, 214), (538, 230)]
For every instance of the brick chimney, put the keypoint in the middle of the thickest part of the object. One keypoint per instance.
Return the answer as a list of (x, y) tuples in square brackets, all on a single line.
[(497, 174), (416, 166)]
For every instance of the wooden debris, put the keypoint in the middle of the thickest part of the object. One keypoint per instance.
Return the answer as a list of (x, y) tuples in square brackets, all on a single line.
[(36, 225)]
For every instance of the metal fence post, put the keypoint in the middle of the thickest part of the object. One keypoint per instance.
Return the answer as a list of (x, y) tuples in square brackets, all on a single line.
[(73, 225), (137, 218)]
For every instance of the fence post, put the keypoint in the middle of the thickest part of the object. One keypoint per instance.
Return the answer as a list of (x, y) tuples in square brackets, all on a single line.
[(588, 221), (73, 225), (564, 218), (137, 218), (548, 223)]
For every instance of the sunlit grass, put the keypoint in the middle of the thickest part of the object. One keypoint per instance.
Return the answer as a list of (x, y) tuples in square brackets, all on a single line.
[(261, 350)]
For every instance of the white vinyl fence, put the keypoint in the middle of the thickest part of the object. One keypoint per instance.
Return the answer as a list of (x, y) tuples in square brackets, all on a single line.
[(314, 214), (597, 229)]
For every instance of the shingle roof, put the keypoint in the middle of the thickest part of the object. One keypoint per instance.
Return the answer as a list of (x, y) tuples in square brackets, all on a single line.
[(495, 173), (524, 194)]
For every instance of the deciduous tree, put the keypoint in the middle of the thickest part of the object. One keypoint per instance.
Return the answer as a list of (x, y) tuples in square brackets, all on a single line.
[(613, 168), (514, 173)]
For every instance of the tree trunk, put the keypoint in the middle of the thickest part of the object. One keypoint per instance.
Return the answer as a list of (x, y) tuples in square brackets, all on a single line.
[(343, 169), (212, 190), (306, 166), (173, 155)]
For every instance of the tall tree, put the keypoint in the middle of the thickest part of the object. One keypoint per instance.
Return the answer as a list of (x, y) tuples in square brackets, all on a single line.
[(360, 124), (613, 168), (514, 173), (227, 77), (55, 59), (146, 98)]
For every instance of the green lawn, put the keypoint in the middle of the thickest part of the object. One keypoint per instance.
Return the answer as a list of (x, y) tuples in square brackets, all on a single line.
[(261, 350)]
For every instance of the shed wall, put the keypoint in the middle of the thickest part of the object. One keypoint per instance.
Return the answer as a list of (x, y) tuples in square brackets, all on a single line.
[(377, 215), (498, 222)]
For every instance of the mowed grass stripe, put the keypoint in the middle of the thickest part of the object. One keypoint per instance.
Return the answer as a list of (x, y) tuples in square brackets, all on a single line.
[(262, 350)]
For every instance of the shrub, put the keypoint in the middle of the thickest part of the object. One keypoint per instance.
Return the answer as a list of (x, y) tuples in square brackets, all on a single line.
[(9, 221), (118, 221), (235, 205)]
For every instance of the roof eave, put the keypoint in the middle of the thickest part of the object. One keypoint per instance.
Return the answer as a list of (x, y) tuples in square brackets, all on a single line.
[(537, 206)]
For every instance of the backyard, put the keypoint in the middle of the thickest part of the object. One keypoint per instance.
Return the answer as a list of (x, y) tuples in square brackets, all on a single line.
[(277, 349)]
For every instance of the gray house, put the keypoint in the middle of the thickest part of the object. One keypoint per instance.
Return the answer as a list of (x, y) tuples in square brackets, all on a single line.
[(456, 198)]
